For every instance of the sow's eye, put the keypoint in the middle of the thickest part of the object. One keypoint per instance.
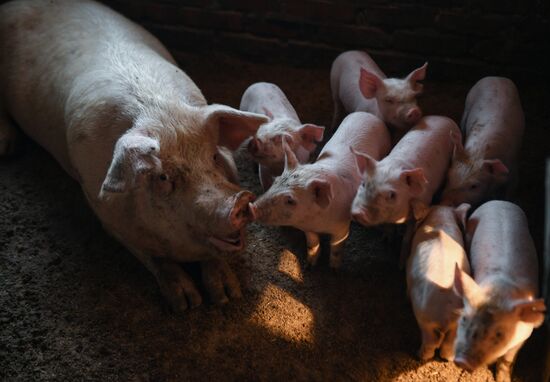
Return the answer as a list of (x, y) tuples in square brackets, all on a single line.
[(164, 184), (289, 200), (473, 186), (389, 100)]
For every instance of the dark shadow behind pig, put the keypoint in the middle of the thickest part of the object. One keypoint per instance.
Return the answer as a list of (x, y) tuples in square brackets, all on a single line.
[(107, 100)]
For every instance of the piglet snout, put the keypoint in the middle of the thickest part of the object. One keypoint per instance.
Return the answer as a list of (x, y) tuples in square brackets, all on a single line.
[(253, 211), (463, 363), (413, 115), (254, 146)]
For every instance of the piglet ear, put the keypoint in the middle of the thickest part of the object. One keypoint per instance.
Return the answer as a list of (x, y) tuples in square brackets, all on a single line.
[(268, 113), (416, 75), (233, 125), (365, 163), (419, 209), (369, 83), (461, 213), (322, 191), (495, 167), (465, 287), (291, 162), (135, 155), (311, 134), (415, 179), (530, 311)]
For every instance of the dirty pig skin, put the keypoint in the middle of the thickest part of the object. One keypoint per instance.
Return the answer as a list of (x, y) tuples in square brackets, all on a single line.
[(108, 101)]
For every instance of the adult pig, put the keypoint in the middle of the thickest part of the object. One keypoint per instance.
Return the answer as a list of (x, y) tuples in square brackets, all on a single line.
[(266, 145), (412, 172), (437, 247), (500, 304), (358, 84), (492, 127), (107, 100), (316, 197)]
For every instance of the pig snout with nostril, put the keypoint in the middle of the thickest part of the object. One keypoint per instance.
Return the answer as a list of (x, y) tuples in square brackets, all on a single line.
[(240, 213), (463, 364), (254, 146), (413, 115)]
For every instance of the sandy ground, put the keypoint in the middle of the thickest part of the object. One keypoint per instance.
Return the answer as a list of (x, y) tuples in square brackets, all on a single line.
[(75, 305)]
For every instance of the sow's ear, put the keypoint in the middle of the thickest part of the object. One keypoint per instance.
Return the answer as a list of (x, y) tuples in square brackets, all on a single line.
[(134, 156), (233, 125)]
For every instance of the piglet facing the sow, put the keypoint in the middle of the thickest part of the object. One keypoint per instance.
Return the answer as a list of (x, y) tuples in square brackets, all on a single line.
[(500, 304), (437, 247), (316, 197), (266, 145), (106, 99), (412, 172), (485, 166), (358, 84)]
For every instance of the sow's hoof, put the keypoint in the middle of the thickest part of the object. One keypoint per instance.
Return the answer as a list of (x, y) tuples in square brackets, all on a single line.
[(178, 288), (220, 281)]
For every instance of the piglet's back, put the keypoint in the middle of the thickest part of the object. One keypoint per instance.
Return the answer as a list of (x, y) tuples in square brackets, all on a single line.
[(499, 242)]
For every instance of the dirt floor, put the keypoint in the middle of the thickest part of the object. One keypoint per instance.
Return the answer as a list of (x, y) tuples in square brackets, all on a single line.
[(76, 305)]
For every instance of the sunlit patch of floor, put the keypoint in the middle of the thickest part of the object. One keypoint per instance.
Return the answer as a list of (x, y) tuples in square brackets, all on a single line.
[(432, 372), (290, 266), (284, 316)]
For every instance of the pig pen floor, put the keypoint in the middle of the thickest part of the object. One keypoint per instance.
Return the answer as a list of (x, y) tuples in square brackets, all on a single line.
[(75, 305)]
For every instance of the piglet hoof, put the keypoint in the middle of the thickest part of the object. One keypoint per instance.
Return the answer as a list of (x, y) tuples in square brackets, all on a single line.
[(220, 281), (312, 259), (425, 354), (447, 354), (178, 289)]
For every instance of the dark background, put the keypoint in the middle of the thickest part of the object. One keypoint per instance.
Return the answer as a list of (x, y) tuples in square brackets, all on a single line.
[(460, 38)]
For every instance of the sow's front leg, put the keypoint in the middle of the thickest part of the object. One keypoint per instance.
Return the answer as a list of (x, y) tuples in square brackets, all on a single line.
[(176, 285), (220, 281)]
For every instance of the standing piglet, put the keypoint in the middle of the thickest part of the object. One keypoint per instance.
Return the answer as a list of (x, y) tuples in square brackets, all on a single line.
[(107, 100), (266, 146), (412, 172), (500, 304), (358, 84), (436, 248), (492, 126), (316, 197)]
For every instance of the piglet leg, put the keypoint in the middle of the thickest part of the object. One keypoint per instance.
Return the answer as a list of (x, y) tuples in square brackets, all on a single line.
[(337, 243), (447, 351), (503, 371), (430, 342), (313, 247), (220, 281)]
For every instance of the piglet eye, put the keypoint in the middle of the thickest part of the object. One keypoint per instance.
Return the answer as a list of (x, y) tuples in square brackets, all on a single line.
[(163, 177), (389, 100), (473, 186), (290, 201), (391, 195)]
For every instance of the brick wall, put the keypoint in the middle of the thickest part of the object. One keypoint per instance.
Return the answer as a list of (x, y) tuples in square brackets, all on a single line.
[(458, 37)]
